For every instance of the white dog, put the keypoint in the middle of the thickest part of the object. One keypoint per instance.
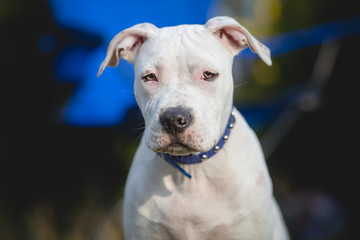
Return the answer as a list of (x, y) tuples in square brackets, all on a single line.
[(199, 172)]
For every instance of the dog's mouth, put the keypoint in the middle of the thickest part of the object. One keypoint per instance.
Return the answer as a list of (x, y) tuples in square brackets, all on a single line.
[(177, 147)]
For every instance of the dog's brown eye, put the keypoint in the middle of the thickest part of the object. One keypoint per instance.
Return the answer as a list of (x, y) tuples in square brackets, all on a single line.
[(209, 75), (149, 77)]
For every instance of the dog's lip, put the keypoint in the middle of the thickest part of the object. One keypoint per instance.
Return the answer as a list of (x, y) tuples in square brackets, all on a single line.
[(178, 148), (179, 144)]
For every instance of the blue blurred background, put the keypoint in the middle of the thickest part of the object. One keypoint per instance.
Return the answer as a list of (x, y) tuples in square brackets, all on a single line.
[(67, 137)]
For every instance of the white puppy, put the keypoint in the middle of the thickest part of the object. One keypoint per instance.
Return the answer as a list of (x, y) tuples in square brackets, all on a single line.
[(199, 172)]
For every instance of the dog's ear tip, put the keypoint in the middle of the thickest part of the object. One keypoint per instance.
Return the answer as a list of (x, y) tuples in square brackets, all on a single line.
[(268, 61), (101, 69), (265, 56)]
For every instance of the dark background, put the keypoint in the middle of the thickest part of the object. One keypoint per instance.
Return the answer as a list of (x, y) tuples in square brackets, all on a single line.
[(60, 182)]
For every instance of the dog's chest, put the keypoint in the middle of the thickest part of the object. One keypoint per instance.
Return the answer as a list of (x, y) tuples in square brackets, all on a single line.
[(197, 210)]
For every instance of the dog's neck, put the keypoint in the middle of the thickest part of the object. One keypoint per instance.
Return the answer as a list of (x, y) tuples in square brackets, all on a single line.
[(199, 158)]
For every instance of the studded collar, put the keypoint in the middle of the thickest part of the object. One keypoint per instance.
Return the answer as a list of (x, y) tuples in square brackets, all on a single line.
[(174, 161)]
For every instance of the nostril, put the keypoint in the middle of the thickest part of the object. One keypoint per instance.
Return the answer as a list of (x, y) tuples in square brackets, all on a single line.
[(175, 120), (183, 121)]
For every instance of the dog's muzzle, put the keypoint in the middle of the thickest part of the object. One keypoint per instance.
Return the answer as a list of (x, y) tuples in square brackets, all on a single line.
[(177, 120)]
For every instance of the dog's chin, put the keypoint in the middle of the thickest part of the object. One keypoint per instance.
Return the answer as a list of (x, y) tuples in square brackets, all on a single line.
[(178, 149)]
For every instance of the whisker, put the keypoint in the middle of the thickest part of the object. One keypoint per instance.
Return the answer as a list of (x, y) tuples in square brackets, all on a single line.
[(141, 124), (240, 84), (138, 128), (139, 137)]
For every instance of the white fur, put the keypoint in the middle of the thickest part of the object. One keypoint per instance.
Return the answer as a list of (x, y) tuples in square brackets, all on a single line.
[(230, 195)]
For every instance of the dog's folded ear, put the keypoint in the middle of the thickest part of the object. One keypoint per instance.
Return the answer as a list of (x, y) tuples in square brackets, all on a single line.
[(126, 44), (236, 38)]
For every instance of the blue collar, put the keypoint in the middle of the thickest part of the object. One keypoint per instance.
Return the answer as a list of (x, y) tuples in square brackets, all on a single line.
[(193, 159)]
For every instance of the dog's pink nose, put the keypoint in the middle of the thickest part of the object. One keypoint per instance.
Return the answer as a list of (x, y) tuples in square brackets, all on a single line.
[(175, 119)]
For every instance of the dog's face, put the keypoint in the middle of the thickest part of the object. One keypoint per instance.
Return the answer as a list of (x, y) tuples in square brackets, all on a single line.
[(183, 86), (183, 80)]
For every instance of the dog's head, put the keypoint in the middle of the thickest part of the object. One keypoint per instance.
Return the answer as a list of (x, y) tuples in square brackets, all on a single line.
[(183, 79)]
